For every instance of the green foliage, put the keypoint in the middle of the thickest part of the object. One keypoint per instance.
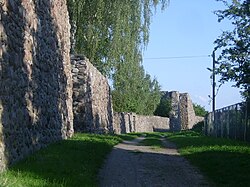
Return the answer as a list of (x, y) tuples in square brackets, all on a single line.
[(225, 162), (73, 162), (164, 108), (234, 60), (110, 32), (134, 91), (113, 34), (199, 110)]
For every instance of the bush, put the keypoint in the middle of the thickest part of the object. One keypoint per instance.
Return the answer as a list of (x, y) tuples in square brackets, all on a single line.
[(199, 110)]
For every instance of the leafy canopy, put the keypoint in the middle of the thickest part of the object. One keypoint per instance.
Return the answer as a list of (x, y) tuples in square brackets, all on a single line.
[(234, 60), (110, 32), (199, 110), (113, 35), (164, 107)]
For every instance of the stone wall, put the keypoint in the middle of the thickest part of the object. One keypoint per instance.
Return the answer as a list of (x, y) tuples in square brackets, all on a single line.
[(174, 116), (92, 105), (130, 122), (35, 77), (182, 116)]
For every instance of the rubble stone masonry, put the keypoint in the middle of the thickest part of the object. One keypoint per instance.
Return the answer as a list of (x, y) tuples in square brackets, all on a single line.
[(92, 105), (131, 122), (39, 101), (35, 77), (182, 116)]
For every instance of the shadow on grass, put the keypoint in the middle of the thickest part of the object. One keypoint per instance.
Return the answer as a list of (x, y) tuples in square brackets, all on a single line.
[(225, 161), (128, 137), (73, 162), (198, 141), (155, 142), (154, 135), (223, 167)]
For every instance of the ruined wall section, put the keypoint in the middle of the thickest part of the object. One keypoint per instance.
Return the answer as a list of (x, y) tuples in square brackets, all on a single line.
[(187, 113), (131, 122), (123, 122), (182, 115), (35, 77), (188, 117), (92, 105), (174, 116)]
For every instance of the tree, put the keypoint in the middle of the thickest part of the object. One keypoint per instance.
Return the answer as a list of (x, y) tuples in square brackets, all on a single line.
[(109, 32), (234, 60), (113, 34), (199, 110), (164, 107), (134, 91)]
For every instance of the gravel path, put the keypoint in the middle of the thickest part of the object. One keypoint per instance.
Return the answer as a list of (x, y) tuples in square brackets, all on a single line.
[(132, 165)]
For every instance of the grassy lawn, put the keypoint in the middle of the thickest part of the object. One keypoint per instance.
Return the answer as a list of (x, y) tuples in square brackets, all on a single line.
[(225, 162), (73, 162), (153, 140), (129, 136)]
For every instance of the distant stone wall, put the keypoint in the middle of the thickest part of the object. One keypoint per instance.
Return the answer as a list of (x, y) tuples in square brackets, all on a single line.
[(182, 115), (35, 77), (123, 122), (174, 116), (130, 122), (92, 105), (188, 117)]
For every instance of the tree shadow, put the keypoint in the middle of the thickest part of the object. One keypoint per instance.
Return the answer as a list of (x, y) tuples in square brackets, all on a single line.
[(68, 163), (33, 81), (14, 86), (88, 121), (226, 168), (110, 113), (122, 123)]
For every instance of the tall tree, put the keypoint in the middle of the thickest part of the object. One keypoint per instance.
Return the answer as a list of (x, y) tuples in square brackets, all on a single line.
[(164, 107), (134, 91), (113, 34), (234, 60), (109, 31)]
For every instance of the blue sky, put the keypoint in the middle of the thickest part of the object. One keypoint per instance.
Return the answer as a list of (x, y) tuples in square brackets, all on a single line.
[(187, 28)]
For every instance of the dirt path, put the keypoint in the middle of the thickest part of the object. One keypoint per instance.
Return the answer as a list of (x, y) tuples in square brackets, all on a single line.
[(137, 166)]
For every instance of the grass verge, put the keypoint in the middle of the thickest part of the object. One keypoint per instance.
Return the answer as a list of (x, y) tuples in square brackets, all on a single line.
[(226, 162), (72, 162), (129, 136), (154, 142)]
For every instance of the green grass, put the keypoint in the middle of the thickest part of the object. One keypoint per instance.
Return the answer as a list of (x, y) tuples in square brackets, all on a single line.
[(129, 136), (226, 162), (155, 135), (154, 142), (73, 162)]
